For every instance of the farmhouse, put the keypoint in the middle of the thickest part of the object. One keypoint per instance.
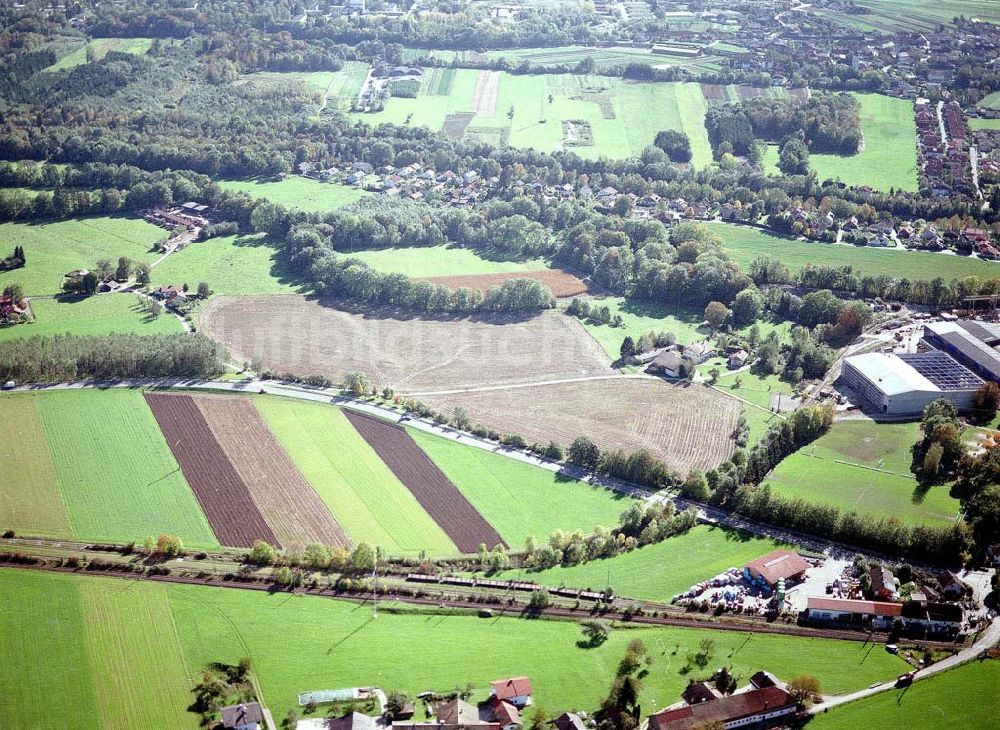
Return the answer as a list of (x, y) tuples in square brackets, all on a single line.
[(456, 714), (842, 612), (569, 721), (747, 707), (516, 690), (883, 583), (699, 351), (774, 567), (667, 363), (244, 716)]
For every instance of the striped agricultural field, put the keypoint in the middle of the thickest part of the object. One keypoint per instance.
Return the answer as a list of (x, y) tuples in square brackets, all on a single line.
[(30, 501), (294, 511), (364, 495)]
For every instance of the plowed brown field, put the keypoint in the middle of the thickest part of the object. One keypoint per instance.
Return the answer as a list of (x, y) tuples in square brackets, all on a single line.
[(288, 502), (443, 501), (223, 496), (686, 426), (562, 283), (302, 336)]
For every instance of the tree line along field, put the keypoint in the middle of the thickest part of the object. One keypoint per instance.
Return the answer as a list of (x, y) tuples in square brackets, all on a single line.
[(660, 571), (295, 191), (97, 631), (865, 466), (889, 158), (745, 243), (120, 465), (95, 315), (101, 47), (961, 697), (52, 249)]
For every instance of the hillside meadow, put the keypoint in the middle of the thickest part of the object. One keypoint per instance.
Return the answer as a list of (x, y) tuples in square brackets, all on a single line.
[(135, 644), (424, 262), (99, 314), (295, 191), (100, 48)]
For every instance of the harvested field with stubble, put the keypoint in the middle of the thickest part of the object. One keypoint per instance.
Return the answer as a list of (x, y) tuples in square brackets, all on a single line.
[(288, 502), (442, 500), (223, 496), (406, 352), (686, 426), (562, 283), (484, 98)]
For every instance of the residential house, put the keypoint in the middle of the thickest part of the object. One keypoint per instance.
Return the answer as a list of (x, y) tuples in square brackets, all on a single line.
[(778, 565), (244, 716), (934, 618), (883, 584), (697, 692), (569, 721), (699, 351), (953, 587), (515, 690), (505, 714), (737, 359), (745, 708), (668, 363), (9, 308)]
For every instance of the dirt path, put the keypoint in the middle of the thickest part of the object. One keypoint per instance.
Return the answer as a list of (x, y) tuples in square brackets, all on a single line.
[(484, 98)]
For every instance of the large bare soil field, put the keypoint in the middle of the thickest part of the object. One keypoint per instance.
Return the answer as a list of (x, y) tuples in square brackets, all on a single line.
[(686, 426), (409, 353)]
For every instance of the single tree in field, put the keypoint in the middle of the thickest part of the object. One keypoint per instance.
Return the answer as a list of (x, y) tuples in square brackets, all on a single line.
[(356, 383), (628, 348), (204, 291), (596, 631), (169, 545), (262, 553), (803, 688), (124, 270), (716, 314), (104, 268), (584, 452), (142, 273)]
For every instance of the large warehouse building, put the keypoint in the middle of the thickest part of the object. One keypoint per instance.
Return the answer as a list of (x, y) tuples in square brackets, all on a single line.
[(960, 356)]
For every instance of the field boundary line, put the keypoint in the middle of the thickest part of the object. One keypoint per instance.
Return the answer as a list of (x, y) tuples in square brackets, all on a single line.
[(871, 468), (535, 384)]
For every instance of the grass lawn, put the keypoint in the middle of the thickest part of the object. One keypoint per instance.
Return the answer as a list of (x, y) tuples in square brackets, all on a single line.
[(992, 101), (135, 656), (298, 643), (744, 244), (52, 249), (976, 124), (518, 499), (964, 697), (624, 116), (889, 158), (640, 317), (296, 191), (365, 497), (41, 639), (95, 315), (602, 57), (661, 571), (440, 261), (864, 466), (115, 470), (101, 46), (30, 502), (759, 390), (230, 265)]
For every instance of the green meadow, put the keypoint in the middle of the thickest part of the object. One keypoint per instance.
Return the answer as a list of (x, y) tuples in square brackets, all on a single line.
[(101, 47), (299, 643), (295, 191), (889, 158), (864, 466), (95, 315), (658, 572), (440, 261), (744, 244), (52, 249), (518, 499)]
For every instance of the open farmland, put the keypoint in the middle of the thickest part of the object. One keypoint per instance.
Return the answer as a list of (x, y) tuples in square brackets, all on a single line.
[(864, 466), (422, 262), (570, 56), (518, 499), (101, 47), (363, 494), (281, 635), (744, 244), (93, 315), (622, 116), (561, 283), (891, 16), (660, 571), (223, 496), (52, 249), (958, 698), (229, 265), (292, 508), (449, 508), (296, 191), (30, 501), (889, 157), (409, 353), (115, 472), (688, 426)]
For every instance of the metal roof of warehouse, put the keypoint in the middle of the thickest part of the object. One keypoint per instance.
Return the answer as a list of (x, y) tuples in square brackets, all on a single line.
[(942, 370), (966, 344), (891, 374)]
